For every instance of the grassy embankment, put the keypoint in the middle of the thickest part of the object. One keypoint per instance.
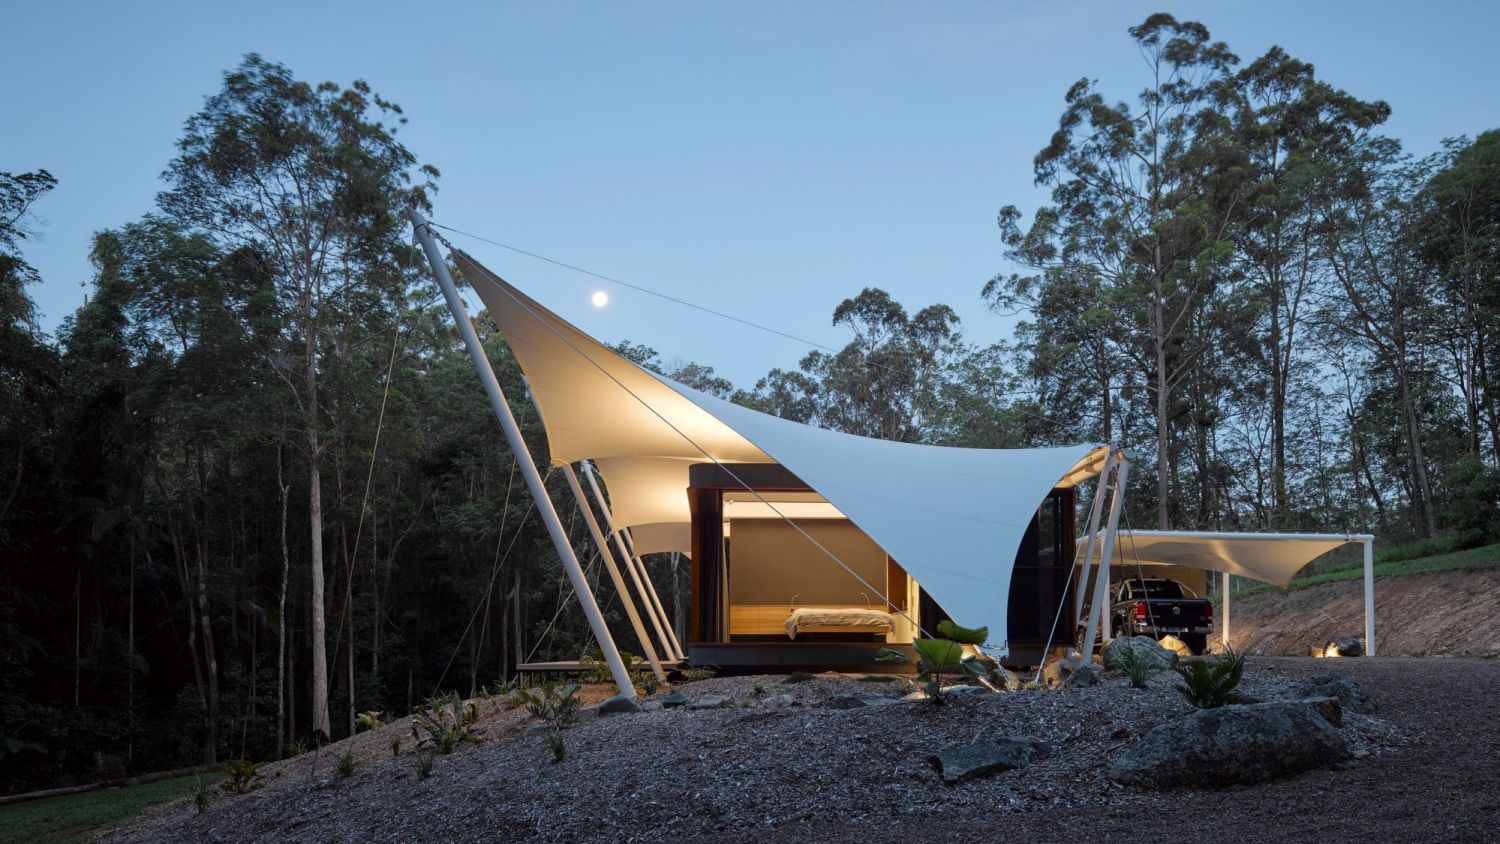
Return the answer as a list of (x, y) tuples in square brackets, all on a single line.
[(78, 817), (1417, 558)]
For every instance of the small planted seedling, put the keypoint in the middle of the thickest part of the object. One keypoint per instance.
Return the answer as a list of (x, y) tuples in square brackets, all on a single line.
[(345, 764), (425, 758), (202, 795), (557, 745)]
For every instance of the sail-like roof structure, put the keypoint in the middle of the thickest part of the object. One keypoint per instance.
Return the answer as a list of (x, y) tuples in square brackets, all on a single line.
[(1268, 557), (953, 517)]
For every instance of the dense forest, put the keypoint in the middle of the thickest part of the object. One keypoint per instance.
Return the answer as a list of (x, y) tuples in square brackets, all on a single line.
[(252, 488)]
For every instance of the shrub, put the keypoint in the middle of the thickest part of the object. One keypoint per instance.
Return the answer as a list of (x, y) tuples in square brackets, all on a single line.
[(648, 683), (558, 707), (596, 669), (939, 657), (395, 745), (797, 677), (693, 675), (345, 764), (241, 776), (1135, 666), (1208, 682), (368, 721), (446, 724), (1474, 509)]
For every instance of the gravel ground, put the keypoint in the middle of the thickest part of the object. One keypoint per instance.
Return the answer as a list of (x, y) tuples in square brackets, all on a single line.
[(809, 773)]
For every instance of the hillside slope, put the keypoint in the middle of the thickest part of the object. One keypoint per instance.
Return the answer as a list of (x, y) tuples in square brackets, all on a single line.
[(1441, 613), (811, 771)]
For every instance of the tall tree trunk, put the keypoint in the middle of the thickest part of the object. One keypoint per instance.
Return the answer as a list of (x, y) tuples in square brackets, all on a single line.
[(77, 631), (210, 662), (319, 700), (130, 657), (286, 568), (1163, 521), (1419, 461)]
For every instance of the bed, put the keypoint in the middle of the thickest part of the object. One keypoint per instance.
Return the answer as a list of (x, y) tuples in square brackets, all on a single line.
[(839, 620)]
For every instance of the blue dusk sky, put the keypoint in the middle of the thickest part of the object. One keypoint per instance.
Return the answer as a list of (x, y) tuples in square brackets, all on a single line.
[(765, 159)]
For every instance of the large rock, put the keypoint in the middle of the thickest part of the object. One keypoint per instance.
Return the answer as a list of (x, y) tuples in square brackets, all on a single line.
[(1350, 694), (1232, 745), (859, 701), (619, 704), (1329, 707), (674, 700), (1144, 648), (1069, 671), (710, 701), (988, 757), (996, 676)]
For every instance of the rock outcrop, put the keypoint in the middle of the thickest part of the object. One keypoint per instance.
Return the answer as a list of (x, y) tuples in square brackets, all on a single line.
[(1144, 648), (1351, 695), (1232, 745), (988, 757)]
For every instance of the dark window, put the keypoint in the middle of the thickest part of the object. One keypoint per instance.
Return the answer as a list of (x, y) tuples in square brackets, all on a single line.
[(1040, 578), (1148, 589)]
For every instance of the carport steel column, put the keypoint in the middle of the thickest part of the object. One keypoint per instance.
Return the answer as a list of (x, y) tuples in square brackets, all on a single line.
[(518, 448), (1369, 543)]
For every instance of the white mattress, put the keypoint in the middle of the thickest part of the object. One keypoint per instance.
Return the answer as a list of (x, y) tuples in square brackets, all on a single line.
[(856, 619)]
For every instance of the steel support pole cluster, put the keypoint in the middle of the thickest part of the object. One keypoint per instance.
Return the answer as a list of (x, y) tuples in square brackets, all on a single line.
[(1092, 535), (672, 644), (614, 573), (1115, 477), (632, 565), (513, 438)]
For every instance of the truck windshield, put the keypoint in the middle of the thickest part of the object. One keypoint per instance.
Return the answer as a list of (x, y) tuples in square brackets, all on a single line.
[(1155, 589)]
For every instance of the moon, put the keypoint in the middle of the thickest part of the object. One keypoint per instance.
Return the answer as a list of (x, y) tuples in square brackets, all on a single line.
[(600, 298)]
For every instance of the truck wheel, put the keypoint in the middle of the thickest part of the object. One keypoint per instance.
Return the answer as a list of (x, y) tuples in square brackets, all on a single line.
[(1196, 642)]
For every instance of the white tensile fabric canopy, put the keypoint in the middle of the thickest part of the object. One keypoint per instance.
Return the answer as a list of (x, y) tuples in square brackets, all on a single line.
[(1268, 557), (952, 517)]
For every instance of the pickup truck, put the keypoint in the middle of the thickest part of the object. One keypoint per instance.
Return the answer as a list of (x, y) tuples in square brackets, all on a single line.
[(1158, 607)]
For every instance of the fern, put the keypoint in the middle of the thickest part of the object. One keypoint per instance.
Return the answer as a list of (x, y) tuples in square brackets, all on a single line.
[(1137, 667), (241, 776), (1208, 684)]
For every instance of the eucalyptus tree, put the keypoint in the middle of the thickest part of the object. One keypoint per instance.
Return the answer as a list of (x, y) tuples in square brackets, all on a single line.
[(25, 359), (1384, 294), (1294, 130), (1459, 236), (885, 382), (313, 180), (1143, 197)]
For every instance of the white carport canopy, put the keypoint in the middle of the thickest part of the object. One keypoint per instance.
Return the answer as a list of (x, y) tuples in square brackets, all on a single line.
[(1273, 558), (953, 517)]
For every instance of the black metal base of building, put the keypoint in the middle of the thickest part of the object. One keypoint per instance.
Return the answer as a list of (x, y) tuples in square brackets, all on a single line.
[(786, 657)]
